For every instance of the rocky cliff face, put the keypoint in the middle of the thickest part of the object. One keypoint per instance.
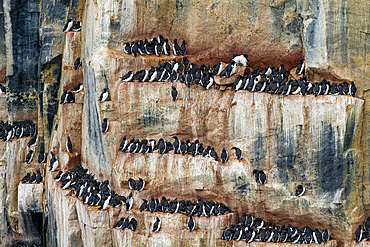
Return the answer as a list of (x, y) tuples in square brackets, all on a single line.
[(320, 142)]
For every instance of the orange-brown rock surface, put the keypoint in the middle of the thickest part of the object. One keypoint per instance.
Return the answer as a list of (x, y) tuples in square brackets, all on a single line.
[(320, 142)]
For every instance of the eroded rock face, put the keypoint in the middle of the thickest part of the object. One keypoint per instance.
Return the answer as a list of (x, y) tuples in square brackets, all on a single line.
[(318, 142)]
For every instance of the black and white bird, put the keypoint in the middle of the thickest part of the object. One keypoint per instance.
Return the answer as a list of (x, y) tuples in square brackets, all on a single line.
[(325, 236), (157, 225), (367, 224), (42, 157), (78, 88), (133, 224), (352, 89), (127, 48), (77, 63), (140, 184), (262, 177), (105, 125), (127, 77), (300, 68), (224, 156), (63, 97), (39, 177), (358, 234), (129, 202), (68, 26), (2, 89), (174, 93), (33, 141), (132, 184), (300, 190), (76, 26), (191, 224), (69, 145), (176, 48), (241, 60), (183, 47), (53, 162), (217, 68), (229, 70), (70, 98), (104, 95), (29, 156), (238, 153)]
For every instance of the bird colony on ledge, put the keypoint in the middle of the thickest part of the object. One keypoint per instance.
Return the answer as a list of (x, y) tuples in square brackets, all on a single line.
[(269, 79), (363, 233), (251, 229)]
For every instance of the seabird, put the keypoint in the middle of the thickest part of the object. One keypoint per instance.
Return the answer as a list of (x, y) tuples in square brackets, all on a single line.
[(104, 95), (77, 63), (78, 88), (358, 234), (300, 190), (135, 49), (157, 225), (224, 155), (300, 68), (213, 154), (129, 202), (229, 69), (152, 205), (140, 184), (118, 224), (105, 125), (241, 60), (63, 97), (38, 177), (68, 26), (76, 26), (228, 234), (262, 177), (144, 205), (325, 236), (58, 176), (166, 48), (123, 144), (69, 145), (29, 157), (127, 48), (352, 89), (53, 162), (41, 158), (70, 98), (26, 178), (33, 141), (217, 68), (238, 153), (191, 224), (2, 88), (174, 93), (183, 47), (258, 223), (133, 224), (367, 224), (256, 175), (105, 202), (132, 184), (176, 48)]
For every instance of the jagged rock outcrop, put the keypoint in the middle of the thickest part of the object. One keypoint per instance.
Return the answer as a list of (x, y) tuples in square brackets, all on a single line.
[(320, 142)]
